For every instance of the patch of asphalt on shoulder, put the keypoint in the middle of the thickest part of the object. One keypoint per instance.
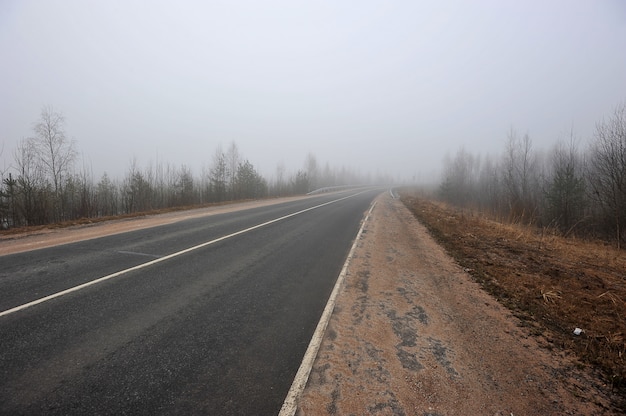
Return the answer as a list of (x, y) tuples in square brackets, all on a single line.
[(331, 408), (440, 352), (331, 333), (408, 295), (408, 360), (320, 372), (362, 286), (420, 314), (362, 282), (403, 328), (353, 360), (379, 372), (391, 404), (358, 310)]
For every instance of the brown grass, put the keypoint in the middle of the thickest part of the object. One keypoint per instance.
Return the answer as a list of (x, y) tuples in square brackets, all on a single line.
[(554, 284), (96, 220)]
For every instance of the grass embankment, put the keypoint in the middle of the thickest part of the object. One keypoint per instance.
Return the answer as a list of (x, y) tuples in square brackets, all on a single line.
[(553, 284)]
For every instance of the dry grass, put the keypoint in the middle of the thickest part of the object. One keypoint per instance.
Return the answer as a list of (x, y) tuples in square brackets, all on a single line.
[(96, 220), (553, 284)]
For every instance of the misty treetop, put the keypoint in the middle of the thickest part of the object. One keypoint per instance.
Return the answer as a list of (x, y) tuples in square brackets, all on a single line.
[(572, 190), (46, 185)]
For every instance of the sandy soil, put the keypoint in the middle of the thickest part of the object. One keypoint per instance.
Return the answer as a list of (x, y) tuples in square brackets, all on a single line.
[(413, 334)]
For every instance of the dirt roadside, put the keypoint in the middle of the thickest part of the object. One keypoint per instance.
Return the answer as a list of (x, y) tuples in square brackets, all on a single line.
[(413, 334)]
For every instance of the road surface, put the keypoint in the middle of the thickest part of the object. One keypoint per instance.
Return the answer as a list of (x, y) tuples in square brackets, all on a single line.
[(213, 316)]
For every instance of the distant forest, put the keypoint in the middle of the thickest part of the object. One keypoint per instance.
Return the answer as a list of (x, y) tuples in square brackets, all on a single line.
[(44, 185), (569, 189), (573, 190)]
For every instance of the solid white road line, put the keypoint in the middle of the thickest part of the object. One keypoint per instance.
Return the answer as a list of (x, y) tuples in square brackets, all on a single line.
[(290, 405), (164, 258)]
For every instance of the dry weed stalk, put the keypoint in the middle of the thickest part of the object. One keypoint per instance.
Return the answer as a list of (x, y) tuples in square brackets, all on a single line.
[(614, 298), (550, 296), (616, 338)]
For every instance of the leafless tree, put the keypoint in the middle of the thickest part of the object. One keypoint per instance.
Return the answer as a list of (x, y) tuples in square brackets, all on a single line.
[(219, 176), (280, 187), (136, 192), (519, 167), (607, 175), (565, 186), (31, 197), (232, 159), (185, 189), (460, 178), (6, 190), (86, 197), (311, 169), (327, 177), (300, 183), (107, 196), (490, 189), (54, 151)]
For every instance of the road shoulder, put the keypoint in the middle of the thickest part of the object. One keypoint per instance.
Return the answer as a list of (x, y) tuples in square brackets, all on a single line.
[(412, 333)]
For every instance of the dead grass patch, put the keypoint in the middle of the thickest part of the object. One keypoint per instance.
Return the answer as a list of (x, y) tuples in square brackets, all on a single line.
[(552, 283), (96, 220)]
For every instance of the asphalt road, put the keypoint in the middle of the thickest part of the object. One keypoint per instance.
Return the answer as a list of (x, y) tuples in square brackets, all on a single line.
[(218, 330)]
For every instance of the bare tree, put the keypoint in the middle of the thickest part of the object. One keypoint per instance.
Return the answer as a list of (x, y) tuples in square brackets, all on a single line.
[(327, 177), (519, 166), (490, 191), (136, 192), (311, 169), (219, 175), (158, 183), (185, 189), (8, 208), (31, 195), (205, 184), (565, 186), (607, 174), (300, 183), (54, 151), (460, 178), (87, 207), (279, 184), (232, 159), (107, 197), (6, 185)]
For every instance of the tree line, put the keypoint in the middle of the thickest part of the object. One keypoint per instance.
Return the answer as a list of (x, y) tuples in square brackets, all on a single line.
[(575, 190), (45, 184)]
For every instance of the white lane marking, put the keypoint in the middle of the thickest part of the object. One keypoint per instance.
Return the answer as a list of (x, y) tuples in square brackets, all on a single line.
[(290, 405), (133, 253), (164, 258)]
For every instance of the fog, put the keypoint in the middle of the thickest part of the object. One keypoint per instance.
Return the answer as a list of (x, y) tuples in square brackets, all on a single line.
[(379, 87)]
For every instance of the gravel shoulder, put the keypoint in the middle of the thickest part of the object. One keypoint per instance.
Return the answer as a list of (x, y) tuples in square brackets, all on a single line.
[(413, 334)]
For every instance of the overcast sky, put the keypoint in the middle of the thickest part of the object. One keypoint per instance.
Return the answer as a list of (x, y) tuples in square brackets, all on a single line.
[(380, 86)]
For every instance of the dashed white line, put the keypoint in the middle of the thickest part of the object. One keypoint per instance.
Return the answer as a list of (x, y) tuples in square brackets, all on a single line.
[(133, 253)]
